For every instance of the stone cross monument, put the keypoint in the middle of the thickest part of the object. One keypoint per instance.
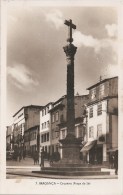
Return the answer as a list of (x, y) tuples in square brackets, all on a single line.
[(70, 145)]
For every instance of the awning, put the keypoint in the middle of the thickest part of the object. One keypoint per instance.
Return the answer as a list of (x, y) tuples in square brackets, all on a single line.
[(88, 146), (112, 150)]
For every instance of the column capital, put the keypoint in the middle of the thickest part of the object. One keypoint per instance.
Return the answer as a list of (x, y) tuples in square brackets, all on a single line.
[(70, 50)]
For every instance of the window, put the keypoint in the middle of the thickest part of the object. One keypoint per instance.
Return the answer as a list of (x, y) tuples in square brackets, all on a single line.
[(47, 136), (57, 116), (47, 123), (99, 109), (78, 131), (91, 112), (35, 135), (45, 148), (62, 118), (47, 109), (63, 134), (44, 137), (93, 93), (57, 134), (42, 125), (99, 130), (53, 134), (53, 118), (91, 132), (101, 90), (42, 112)]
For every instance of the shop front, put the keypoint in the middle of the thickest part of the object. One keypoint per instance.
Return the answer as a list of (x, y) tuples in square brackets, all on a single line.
[(92, 152)]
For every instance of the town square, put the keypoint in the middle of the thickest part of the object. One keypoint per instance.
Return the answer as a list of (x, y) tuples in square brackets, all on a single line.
[(65, 86)]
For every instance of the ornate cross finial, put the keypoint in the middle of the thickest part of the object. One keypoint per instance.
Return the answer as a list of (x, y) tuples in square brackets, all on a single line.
[(70, 26)]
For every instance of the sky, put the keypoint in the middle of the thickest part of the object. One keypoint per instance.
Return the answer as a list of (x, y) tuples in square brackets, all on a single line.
[(36, 62)]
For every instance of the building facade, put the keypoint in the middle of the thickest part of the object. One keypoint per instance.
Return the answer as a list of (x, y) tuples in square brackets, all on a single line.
[(18, 128), (102, 127), (26, 128), (45, 125), (9, 135), (59, 121)]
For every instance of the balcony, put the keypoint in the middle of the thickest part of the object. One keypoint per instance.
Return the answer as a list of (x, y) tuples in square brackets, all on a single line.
[(62, 123)]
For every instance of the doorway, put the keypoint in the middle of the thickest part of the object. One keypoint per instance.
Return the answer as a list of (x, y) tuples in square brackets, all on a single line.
[(99, 154)]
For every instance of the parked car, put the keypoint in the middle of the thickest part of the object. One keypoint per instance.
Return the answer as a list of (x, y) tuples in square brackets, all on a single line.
[(9, 154)]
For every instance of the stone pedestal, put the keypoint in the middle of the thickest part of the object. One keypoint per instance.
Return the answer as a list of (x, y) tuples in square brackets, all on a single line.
[(70, 150)]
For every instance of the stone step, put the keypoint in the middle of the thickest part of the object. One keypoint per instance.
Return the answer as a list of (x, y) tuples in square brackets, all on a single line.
[(72, 173), (71, 169), (76, 165)]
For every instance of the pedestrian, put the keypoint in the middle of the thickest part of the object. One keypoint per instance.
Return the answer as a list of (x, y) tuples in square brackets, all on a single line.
[(20, 156), (36, 157), (42, 158), (15, 156), (116, 162), (111, 161), (51, 160), (24, 154)]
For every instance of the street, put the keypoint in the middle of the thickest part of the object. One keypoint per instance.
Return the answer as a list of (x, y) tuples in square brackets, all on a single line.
[(22, 169), (27, 162), (9, 176)]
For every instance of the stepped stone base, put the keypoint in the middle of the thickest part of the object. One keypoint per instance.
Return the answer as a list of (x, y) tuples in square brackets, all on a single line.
[(72, 171), (70, 164)]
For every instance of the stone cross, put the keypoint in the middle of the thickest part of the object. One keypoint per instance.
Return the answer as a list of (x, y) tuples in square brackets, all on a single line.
[(70, 26)]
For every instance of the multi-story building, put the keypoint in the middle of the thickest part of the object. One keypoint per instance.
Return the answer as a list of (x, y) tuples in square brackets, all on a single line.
[(26, 128), (18, 127), (102, 127), (45, 133), (59, 121), (9, 136)]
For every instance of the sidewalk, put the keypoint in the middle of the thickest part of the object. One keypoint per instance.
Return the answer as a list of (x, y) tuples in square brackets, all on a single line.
[(38, 175), (27, 162)]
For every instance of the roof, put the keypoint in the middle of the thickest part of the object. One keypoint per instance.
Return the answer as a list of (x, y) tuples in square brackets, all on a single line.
[(100, 82), (48, 104), (65, 96), (103, 98), (60, 99), (30, 106), (59, 103), (56, 107)]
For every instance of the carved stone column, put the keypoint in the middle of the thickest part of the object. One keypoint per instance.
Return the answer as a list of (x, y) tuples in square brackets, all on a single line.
[(70, 51)]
